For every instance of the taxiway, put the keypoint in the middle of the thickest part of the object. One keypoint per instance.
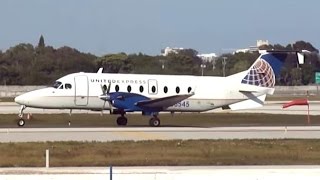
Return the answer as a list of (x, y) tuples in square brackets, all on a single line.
[(159, 133), (270, 107)]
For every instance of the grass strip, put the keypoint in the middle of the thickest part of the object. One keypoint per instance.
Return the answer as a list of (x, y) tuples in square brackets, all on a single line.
[(6, 99), (162, 153)]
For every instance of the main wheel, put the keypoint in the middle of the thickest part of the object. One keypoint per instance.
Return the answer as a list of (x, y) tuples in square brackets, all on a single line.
[(122, 121), (154, 122), (21, 122)]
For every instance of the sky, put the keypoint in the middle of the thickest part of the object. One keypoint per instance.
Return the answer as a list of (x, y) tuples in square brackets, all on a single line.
[(132, 26)]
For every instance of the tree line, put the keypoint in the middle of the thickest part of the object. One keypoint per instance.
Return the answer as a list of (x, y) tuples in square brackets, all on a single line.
[(25, 64)]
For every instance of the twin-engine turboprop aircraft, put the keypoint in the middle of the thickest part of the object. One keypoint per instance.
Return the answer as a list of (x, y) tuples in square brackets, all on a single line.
[(151, 94)]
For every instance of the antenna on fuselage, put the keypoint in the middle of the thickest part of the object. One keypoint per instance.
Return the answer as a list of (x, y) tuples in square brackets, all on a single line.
[(100, 70)]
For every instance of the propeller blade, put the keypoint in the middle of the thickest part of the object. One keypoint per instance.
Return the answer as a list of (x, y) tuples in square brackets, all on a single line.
[(106, 97), (104, 104), (104, 89), (109, 87), (111, 107)]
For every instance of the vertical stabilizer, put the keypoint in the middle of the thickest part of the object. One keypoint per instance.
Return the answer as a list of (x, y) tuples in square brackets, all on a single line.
[(265, 69), (268, 66)]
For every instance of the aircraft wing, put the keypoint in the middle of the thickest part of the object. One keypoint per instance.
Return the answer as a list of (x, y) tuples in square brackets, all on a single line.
[(163, 102)]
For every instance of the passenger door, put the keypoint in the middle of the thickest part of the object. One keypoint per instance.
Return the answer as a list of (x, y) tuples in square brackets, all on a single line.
[(81, 90)]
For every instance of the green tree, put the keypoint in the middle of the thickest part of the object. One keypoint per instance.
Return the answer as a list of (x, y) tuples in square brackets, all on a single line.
[(302, 45), (181, 64), (145, 64), (114, 63), (296, 76), (41, 43)]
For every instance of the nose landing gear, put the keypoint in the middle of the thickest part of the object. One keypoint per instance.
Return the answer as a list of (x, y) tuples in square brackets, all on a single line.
[(21, 122)]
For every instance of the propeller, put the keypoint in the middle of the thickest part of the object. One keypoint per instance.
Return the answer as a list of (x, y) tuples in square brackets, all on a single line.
[(106, 97)]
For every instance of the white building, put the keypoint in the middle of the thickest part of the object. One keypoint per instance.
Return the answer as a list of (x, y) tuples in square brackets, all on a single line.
[(211, 57), (262, 42), (168, 50), (252, 48)]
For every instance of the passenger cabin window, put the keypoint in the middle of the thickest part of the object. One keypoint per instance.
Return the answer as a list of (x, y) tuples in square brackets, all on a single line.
[(165, 89), (153, 89), (57, 84), (189, 89), (129, 88), (67, 86), (141, 89), (117, 88), (177, 90)]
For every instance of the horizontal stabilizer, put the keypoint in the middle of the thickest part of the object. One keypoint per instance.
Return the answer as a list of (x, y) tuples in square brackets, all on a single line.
[(300, 58), (250, 103), (245, 88)]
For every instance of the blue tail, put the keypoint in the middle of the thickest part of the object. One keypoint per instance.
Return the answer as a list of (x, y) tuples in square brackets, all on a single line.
[(265, 69)]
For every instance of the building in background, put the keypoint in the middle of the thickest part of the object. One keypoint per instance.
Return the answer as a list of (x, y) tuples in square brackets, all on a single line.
[(206, 58), (168, 50), (252, 48), (262, 43), (211, 57)]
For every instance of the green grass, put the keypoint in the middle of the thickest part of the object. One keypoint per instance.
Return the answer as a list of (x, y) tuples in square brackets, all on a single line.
[(142, 153), (6, 99), (162, 153), (177, 120), (291, 97)]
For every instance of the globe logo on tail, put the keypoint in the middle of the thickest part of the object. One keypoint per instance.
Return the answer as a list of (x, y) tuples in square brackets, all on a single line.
[(260, 74)]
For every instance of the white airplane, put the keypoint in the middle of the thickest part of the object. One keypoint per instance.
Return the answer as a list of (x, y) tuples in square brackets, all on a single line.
[(151, 94)]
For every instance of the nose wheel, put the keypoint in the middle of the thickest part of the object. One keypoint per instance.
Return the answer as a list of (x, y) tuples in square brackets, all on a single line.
[(21, 122)]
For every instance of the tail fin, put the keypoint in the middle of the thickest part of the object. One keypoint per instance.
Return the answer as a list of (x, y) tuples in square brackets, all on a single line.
[(267, 67)]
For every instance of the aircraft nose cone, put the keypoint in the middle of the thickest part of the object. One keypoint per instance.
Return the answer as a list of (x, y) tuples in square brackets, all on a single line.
[(20, 100)]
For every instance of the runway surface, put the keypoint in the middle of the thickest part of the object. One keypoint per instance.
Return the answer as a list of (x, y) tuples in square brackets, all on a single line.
[(160, 133), (165, 173), (271, 107)]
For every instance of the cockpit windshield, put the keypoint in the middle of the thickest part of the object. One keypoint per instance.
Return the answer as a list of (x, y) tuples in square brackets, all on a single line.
[(57, 84)]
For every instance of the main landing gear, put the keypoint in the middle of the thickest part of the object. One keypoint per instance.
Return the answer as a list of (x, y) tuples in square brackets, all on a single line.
[(153, 122), (122, 120), (21, 122)]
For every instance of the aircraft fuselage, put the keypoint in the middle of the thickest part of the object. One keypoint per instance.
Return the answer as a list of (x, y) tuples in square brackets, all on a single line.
[(82, 91)]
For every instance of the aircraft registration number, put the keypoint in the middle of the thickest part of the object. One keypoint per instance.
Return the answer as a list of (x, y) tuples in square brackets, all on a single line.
[(182, 104)]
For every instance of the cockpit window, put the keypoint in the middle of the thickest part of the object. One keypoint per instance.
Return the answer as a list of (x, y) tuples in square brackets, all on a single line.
[(67, 86), (57, 85)]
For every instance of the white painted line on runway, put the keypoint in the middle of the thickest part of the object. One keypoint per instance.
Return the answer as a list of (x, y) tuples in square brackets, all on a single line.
[(166, 172)]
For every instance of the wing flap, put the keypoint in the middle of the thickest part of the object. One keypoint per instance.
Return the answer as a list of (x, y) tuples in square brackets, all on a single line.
[(163, 102)]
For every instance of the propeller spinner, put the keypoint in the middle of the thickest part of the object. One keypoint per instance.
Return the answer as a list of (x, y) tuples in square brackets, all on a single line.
[(106, 97)]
